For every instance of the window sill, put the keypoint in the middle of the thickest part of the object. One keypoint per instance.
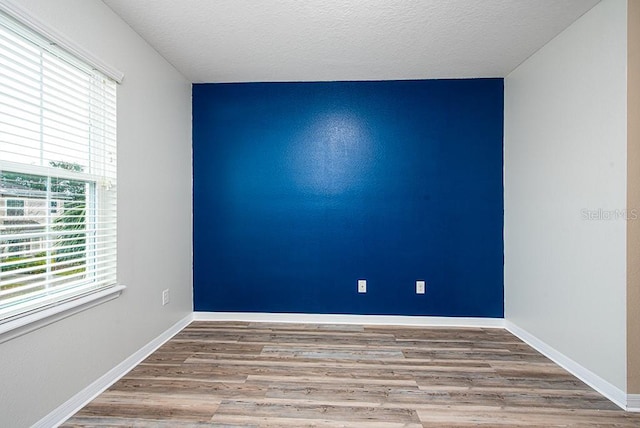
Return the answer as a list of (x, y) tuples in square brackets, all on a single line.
[(33, 321)]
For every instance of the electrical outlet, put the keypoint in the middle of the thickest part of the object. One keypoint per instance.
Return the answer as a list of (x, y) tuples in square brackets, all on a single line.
[(362, 286), (421, 287), (165, 297)]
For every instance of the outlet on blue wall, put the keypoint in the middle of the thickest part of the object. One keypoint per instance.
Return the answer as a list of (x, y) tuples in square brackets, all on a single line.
[(301, 189)]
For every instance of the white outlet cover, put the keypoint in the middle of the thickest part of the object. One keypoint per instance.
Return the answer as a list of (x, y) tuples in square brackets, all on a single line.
[(362, 286), (421, 287)]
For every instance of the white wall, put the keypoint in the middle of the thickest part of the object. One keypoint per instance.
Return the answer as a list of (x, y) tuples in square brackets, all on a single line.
[(565, 151), (43, 369)]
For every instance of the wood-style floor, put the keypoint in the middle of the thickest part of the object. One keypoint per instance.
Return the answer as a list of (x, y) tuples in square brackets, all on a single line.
[(284, 375)]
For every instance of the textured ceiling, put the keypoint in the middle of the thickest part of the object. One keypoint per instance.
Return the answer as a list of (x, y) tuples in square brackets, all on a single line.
[(314, 40)]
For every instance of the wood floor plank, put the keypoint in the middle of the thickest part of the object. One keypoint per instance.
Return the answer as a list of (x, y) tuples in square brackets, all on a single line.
[(462, 418), (308, 412), (214, 388), (327, 352), (312, 380), (151, 406), (266, 375), (107, 422)]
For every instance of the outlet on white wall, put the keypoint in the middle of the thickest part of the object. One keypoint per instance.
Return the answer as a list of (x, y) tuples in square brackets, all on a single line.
[(362, 286), (165, 297), (421, 287)]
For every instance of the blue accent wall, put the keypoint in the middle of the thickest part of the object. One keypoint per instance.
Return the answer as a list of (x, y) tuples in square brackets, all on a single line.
[(301, 189)]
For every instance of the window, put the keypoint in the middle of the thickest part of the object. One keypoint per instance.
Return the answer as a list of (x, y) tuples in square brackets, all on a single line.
[(57, 174), (15, 207)]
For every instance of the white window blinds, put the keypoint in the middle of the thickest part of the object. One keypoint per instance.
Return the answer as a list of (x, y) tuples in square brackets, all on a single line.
[(57, 174)]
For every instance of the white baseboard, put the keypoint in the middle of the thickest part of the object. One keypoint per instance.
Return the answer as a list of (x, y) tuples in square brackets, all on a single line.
[(601, 385), (633, 402), (418, 321), (82, 398)]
